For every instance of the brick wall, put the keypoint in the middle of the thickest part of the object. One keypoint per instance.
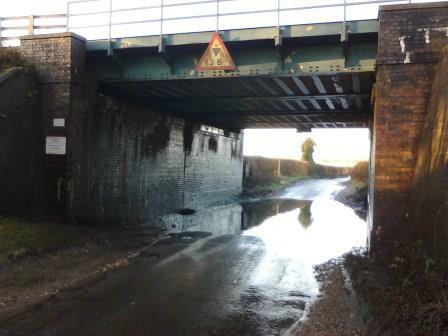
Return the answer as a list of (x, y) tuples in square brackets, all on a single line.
[(20, 142), (131, 165), (430, 197), (59, 63), (124, 163), (213, 169), (410, 40)]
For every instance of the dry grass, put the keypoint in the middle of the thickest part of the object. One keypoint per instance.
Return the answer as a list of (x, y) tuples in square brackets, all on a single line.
[(404, 291), (360, 172)]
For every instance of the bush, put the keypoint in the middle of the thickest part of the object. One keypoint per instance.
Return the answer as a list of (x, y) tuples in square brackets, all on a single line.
[(10, 57), (360, 172), (402, 290)]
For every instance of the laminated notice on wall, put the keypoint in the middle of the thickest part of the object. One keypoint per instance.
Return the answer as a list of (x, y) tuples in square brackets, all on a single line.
[(55, 145)]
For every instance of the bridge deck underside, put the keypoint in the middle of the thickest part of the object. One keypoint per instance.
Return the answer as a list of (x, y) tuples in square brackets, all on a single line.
[(337, 100)]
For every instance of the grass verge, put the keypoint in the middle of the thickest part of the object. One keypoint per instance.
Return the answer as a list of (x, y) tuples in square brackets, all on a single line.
[(17, 234), (263, 189)]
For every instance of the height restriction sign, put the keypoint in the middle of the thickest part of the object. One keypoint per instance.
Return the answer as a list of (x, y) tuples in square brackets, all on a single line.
[(216, 57)]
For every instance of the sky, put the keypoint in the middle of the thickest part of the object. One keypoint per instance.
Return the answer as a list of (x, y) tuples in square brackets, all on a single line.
[(339, 147)]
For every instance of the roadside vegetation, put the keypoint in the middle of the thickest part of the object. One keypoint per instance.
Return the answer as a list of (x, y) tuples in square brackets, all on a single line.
[(355, 192), (359, 181), (360, 173), (266, 175), (401, 291), (9, 58), (267, 188), (19, 236)]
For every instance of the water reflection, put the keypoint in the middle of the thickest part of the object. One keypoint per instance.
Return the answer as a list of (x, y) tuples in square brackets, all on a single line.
[(274, 244), (328, 229), (236, 218), (297, 235), (305, 216), (220, 220), (255, 213)]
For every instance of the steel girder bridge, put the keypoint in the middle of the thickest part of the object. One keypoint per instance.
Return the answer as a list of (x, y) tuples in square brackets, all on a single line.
[(307, 75)]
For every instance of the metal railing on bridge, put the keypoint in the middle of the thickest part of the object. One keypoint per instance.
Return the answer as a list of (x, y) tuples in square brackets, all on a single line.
[(12, 27), (109, 19)]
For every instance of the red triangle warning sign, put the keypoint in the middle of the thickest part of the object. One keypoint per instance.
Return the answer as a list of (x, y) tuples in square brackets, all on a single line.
[(216, 57)]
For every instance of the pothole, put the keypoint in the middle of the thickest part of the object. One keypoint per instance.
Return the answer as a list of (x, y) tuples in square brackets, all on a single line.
[(186, 211)]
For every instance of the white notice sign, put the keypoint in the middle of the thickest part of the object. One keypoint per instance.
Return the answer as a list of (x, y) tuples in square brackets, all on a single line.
[(59, 122), (55, 145)]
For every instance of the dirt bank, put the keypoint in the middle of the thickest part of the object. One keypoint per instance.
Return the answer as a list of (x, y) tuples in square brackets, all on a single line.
[(354, 195), (335, 313), (402, 291)]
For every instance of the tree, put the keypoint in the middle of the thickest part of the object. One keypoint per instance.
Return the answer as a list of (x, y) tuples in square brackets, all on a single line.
[(308, 150)]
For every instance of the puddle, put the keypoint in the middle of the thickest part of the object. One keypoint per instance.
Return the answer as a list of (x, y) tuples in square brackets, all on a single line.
[(295, 234)]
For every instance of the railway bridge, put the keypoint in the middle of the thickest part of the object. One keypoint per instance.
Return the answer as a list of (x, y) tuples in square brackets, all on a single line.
[(137, 127)]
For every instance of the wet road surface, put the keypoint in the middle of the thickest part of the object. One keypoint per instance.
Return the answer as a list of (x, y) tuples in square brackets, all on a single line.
[(241, 269)]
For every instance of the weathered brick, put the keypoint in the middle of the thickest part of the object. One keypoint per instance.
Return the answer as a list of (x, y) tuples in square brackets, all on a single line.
[(124, 163), (403, 91)]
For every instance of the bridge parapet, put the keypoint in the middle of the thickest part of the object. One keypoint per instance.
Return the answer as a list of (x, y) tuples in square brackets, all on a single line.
[(412, 34)]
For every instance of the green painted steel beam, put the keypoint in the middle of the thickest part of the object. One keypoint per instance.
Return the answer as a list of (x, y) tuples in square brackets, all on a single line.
[(325, 58), (253, 50), (239, 35)]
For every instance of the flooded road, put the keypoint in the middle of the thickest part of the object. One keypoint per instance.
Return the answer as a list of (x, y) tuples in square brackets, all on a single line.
[(241, 269)]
